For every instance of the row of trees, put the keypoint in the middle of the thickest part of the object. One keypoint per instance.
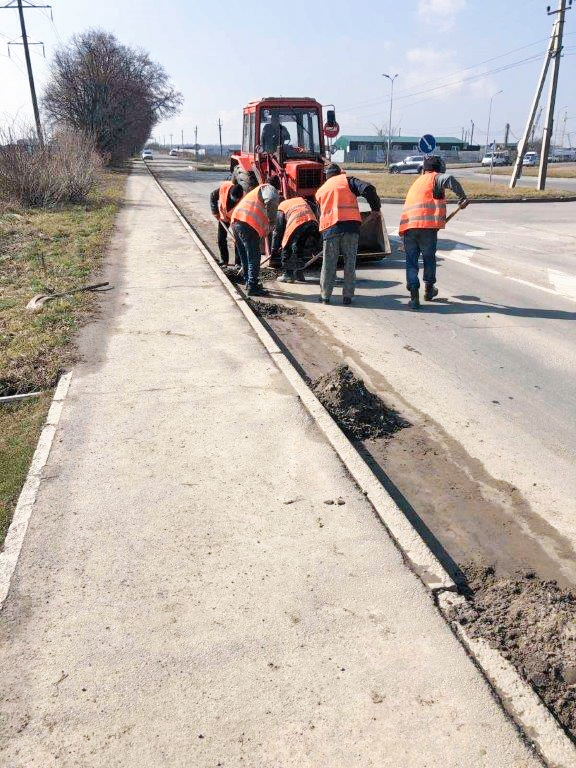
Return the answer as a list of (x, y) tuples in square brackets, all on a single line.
[(112, 93)]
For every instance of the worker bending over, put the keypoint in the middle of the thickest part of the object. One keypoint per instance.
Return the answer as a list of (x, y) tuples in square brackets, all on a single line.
[(222, 203), (424, 213), (340, 227), (252, 219), (295, 225)]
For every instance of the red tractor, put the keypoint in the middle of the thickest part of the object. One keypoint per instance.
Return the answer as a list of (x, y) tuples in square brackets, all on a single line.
[(283, 144)]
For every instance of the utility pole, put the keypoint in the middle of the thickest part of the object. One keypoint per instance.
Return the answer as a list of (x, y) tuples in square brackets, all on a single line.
[(564, 127), (196, 140), (391, 78), (18, 4), (220, 132), (170, 141), (182, 143), (472, 132), (506, 134), (553, 53)]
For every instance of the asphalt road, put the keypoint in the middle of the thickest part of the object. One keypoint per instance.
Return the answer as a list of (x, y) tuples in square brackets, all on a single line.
[(492, 362), (524, 181)]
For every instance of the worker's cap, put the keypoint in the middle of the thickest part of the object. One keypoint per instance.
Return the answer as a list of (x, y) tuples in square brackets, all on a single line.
[(333, 170), (236, 193), (434, 163)]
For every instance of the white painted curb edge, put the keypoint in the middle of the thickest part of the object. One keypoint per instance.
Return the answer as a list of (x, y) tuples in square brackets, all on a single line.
[(517, 697), (22, 513), (426, 565)]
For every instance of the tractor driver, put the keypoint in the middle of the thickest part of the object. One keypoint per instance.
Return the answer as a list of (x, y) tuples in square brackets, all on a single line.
[(274, 133)]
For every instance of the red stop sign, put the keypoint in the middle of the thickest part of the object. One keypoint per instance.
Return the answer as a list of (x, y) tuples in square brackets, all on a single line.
[(331, 130)]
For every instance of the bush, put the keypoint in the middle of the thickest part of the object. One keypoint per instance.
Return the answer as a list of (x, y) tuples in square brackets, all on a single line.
[(64, 171)]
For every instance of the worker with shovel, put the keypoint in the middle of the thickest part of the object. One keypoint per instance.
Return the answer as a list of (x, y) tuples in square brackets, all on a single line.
[(423, 214), (252, 219), (223, 200), (296, 227)]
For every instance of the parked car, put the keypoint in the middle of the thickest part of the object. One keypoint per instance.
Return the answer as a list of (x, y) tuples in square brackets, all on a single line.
[(530, 158), (494, 158), (173, 153), (147, 154), (410, 164)]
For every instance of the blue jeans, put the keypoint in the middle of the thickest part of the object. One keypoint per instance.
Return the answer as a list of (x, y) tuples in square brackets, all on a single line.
[(248, 243), (420, 242)]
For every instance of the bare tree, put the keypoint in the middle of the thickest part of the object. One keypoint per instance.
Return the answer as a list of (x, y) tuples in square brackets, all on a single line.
[(112, 92)]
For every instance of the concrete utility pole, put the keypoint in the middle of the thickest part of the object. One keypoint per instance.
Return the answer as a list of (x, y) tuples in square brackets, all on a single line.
[(196, 140), (18, 4), (506, 135), (182, 143), (391, 78), (553, 53), (220, 132), (472, 132), (489, 118)]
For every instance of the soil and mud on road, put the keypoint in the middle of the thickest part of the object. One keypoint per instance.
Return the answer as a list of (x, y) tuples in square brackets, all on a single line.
[(505, 558)]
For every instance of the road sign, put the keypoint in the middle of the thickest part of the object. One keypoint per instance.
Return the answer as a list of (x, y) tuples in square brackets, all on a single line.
[(331, 130), (427, 144)]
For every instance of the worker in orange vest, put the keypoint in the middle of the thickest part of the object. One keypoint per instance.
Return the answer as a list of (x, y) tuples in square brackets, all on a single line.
[(296, 226), (222, 203), (423, 214), (252, 219), (340, 227)]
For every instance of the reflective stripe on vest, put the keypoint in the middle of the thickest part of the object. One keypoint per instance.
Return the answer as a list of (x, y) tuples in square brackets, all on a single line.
[(223, 212), (337, 202), (421, 209), (252, 211), (297, 212)]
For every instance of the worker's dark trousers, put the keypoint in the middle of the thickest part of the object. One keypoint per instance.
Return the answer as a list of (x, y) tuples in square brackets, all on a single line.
[(223, 245), (294, 253), (248, 244), (420, 242)]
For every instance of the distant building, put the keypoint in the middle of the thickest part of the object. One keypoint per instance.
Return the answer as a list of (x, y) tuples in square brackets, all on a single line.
[(372, 149)]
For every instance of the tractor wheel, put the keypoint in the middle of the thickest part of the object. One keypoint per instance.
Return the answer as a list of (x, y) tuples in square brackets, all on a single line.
[(246, 179)]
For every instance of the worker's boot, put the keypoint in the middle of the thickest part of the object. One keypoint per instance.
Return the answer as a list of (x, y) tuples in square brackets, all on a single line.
[(300, 276), (414, 298), (430, 292), (287, 277)]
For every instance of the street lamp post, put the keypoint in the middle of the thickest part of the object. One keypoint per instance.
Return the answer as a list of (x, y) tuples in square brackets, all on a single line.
[(391, 78), (488, 132)]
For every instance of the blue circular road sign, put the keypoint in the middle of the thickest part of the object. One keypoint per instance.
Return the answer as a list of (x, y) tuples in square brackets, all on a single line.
[(427, 144)]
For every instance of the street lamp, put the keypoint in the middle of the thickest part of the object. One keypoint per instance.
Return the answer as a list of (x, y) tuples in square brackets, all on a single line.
[(489, 116), (391, 78)]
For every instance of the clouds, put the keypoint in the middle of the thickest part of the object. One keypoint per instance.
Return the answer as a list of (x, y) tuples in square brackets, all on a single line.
[(440, 13)]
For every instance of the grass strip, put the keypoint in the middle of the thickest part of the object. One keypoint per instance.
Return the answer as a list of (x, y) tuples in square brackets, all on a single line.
[(45, 248), (395, 186)]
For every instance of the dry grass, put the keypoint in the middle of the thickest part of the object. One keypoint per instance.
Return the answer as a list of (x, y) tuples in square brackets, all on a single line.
[(555, 171), (395, 186), (60, 247)]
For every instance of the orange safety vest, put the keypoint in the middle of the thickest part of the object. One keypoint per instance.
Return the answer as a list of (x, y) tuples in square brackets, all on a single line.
[(297, 212), (421, 209), (252, 211), (337, 202), (223, 213)]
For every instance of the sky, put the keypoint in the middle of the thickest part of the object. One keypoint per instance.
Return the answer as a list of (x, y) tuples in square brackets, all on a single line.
[(452, 58)]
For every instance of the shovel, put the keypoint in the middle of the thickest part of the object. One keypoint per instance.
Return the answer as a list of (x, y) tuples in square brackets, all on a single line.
[(38, 301), (454, 212)]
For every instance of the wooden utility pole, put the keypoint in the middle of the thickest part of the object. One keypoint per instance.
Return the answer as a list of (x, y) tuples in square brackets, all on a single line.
[(552, 54), (18, 4)]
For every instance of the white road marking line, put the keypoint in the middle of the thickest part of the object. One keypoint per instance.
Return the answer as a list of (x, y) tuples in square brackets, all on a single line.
[(566, 284), (476, 233), (463, 258)]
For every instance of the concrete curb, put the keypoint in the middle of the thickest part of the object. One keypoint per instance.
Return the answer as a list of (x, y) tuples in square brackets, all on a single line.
[(22, 513), (475, 200), (516, 697)]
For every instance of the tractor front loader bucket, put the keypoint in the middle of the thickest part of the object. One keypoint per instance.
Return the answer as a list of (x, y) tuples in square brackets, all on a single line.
[(374, 243)]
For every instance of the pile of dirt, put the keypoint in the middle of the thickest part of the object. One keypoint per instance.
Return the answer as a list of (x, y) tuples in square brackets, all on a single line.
[(359, 412), (533, 624), (269, 309)]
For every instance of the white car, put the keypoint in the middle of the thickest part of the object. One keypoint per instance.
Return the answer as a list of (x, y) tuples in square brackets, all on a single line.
[(494, 158), (530, 158), (147, 155)]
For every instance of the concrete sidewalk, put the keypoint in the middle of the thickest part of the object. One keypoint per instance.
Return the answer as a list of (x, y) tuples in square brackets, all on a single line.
[(185, 596)]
